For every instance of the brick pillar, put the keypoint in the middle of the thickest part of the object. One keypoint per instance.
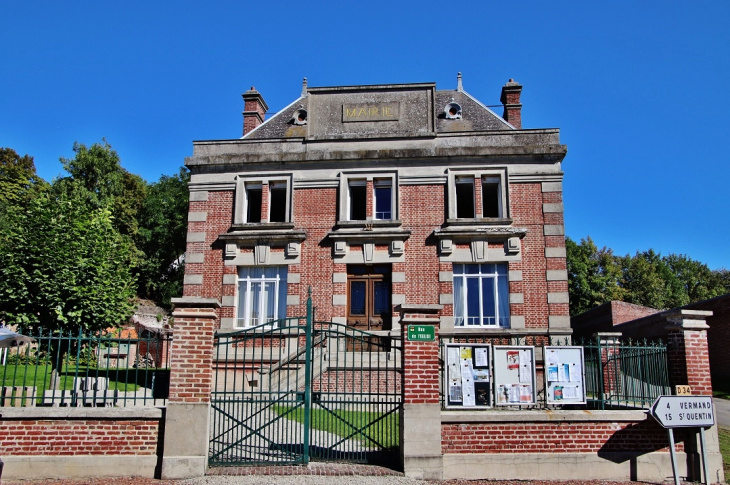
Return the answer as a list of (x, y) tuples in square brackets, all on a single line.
[(420, 427), (689, 361), (191, 380), (370, 200), (265, 202), (478, 206)]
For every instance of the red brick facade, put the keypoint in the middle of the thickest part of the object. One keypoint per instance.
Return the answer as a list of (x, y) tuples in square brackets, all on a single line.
[(563, 437), (429, 159), (58, 437)]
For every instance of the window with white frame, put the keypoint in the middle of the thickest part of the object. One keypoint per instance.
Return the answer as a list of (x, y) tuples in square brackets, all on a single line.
[(365, 198), (254, 194), (261, 295), (357, 200), (383, 193), (465, 197), (491, 197), (277, 202), (481, 295), (257, 192)]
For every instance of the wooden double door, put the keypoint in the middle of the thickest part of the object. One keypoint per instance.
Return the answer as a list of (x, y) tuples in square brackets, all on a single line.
[(369, 297)]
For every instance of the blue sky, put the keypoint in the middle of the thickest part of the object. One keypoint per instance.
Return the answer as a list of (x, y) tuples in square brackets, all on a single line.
[(638, 89)]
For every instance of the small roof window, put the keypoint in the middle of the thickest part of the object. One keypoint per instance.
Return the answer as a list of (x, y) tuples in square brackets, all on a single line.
[(452, 111), (299, 117)]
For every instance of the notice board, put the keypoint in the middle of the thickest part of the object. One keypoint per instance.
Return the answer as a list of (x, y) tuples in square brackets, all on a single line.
[(467, 375), (564, 375), (514, 375)]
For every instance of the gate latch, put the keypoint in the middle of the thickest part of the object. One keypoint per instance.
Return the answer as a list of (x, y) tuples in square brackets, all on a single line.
[(316, 396)]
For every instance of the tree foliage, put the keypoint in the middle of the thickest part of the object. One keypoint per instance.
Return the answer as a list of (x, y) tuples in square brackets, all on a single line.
[(18, 179), (162, 237), (96, 177), (63, 267), (74, 254), (596, 276)]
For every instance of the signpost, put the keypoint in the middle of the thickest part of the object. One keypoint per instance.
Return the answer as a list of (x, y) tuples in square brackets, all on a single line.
[(685, 412)]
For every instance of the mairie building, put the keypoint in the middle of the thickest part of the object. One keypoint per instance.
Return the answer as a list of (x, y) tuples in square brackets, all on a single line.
[(380, 196)]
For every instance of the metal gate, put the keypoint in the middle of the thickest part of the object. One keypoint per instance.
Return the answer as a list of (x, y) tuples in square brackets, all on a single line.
[(297, 390)]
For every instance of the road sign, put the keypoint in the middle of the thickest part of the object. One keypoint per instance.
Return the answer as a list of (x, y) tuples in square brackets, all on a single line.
[(683, 390), (684, 411), (421, 333)]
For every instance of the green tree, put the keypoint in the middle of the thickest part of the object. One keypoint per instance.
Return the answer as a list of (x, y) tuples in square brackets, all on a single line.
[(721, 279), (97, 178), (162, 237), (645, 280), (695, 279), (594, 275), (63, 267), (18, 179)]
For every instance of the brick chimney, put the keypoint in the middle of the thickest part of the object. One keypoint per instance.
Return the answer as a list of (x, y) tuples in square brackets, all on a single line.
[(511, 100), (254, 110)]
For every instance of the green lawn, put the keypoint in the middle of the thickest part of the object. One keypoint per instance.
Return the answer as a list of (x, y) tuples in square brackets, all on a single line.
[(724, 435), (344, 423), (39, 376)]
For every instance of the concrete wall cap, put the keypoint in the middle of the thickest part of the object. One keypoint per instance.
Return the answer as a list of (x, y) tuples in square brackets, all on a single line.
[(195, 302), (685, 325), (541, 416), (507, 332), (688, 314), (414, 308), (113, 414)]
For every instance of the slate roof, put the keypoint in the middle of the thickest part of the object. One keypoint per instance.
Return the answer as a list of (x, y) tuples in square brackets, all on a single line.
[(475, 117)]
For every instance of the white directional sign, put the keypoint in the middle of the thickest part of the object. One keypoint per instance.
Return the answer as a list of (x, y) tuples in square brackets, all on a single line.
[(684, 411)]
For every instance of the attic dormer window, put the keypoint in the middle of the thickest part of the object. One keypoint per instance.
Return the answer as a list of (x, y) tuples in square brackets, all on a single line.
[(299, 117), (452, 111)]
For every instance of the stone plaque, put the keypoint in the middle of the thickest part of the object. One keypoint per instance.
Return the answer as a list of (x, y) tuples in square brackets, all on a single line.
[(370, 112)]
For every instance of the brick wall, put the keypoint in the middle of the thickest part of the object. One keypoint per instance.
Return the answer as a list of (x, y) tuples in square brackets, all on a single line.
[(556, 437), (603, 317), (386, 382), (526, 203), (718, 337), (422, 211), (203, 239), (315, 211), (33, 437)]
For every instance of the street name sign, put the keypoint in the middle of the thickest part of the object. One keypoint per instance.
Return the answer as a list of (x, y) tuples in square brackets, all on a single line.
[(421, 333), (684, 411)]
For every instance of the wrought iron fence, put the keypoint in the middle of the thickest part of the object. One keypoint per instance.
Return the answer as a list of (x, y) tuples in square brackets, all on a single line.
[(114, 368), (618, 373), (625, 374)]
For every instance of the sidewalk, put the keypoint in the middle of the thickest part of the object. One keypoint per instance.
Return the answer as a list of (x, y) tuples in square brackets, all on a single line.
[(722, 409), (298, 480)]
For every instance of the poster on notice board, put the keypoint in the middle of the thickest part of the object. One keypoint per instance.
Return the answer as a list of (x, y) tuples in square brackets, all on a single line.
[(514, 375), (467, 376), (564, 375)]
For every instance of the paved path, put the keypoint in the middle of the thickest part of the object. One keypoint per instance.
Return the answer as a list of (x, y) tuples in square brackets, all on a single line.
[(722, 412)]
